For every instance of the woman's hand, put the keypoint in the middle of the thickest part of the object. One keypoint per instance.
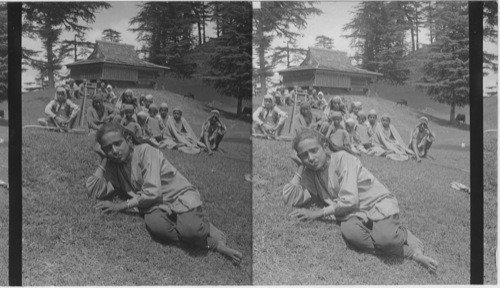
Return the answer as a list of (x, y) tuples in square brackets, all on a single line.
[(110, 207), (306, 215), (97, 149)]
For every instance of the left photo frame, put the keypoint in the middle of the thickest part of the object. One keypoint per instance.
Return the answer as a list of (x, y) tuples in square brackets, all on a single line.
[(136, 156)]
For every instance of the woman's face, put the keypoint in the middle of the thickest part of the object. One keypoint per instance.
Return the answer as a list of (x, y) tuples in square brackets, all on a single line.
[(336, 105), (115, 146), (127, 98), (337, 120), (97, 104), (355, 110), (129, 114), (349, 127), (163, 112), (422, 127), (177, 115), (385, 122), (305, 111), (372, 119), (361, 119), (311, 153)]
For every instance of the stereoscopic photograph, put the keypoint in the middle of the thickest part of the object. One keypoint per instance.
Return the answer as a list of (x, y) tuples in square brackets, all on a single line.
[(249, 143), (136, 143), (361, 143)]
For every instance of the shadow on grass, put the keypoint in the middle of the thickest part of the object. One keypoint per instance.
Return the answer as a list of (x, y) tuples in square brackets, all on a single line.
[(237, 140), (444, 122), (227, 114)]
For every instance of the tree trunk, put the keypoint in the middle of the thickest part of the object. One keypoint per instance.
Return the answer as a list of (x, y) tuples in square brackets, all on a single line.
[(203, 21), (200, 40), (452, 113), (239, 108), (262, 59), (76, 56), (50, 63), (416, 27), (430, 22), (412, 38)]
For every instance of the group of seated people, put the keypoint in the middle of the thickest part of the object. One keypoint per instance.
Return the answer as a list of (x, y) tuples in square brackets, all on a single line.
[(352, 129), (147, 121)]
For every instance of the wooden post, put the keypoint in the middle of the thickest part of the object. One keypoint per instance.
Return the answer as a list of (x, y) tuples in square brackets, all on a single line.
[(293, 110), (82, 113)]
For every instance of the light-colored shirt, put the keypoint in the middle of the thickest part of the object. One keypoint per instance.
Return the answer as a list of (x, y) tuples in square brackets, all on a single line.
[(67, 109), (274, 115), (345, 184), (151, 181)]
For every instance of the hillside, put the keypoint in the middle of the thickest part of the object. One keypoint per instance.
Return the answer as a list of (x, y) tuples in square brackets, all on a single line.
[(63, 235)]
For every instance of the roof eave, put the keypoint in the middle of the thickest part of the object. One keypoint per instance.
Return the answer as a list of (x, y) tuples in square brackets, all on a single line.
[(154, 66), (330, 69)]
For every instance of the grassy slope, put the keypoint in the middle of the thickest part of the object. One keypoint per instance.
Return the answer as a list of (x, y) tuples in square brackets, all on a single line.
[(490, 163), (66, 242), (434, 211)]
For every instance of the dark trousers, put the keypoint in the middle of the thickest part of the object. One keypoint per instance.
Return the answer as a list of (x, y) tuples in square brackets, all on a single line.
[(191, 228), (385, 236)]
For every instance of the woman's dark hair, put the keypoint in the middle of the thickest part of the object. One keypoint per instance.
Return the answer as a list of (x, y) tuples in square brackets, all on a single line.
[(307, 133), (115, 127)]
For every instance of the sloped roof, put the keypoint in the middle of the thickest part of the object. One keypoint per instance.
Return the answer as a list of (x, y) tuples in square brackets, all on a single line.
[(327, 59), (115, 53)]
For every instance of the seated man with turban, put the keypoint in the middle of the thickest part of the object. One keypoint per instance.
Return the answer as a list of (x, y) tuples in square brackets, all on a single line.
[(387, 137), (180, 132), (60, 111), (268, 119), (421, 138), (212, 132)]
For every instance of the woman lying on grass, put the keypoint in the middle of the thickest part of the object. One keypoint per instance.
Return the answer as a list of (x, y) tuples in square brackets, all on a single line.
[(170, 205), (366, 210)]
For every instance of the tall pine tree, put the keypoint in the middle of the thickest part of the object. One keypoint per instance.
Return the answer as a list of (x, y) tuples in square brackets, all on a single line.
[(446, 71), (377, 32), (46, 21), (165, 30), (277, 18), (111, 35), (323, 41), (230, 55)]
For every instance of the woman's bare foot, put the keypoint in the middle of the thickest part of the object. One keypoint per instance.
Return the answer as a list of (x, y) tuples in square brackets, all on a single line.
[(414, 242), (425, 261), (232, 254)]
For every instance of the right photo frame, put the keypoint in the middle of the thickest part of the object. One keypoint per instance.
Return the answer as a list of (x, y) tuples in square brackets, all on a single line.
[(361, 143)]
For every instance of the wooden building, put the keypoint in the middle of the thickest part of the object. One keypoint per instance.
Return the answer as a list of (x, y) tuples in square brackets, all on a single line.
[(329, 70), (118, 64)]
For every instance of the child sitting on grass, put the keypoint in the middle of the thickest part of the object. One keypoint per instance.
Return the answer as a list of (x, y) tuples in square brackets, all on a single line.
[(336, 133)]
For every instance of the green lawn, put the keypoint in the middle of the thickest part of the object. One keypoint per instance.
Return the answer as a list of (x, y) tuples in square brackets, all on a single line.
[(290, 252), (66, 242), (490, 164)]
